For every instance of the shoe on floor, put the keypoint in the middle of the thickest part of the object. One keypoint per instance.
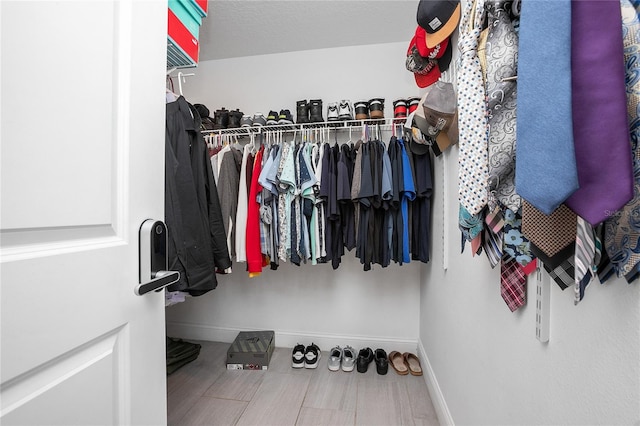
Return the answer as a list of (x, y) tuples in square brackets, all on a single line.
[(348, 358), (365, 356), (413, 363), (297, 356), (396, 359), (335, 358), (382, 363), (312, 356)]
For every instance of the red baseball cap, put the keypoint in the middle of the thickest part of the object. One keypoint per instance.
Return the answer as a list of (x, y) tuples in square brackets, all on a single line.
[(424, 62)]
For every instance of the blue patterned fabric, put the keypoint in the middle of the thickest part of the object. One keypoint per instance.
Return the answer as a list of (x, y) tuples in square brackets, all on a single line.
[(516, 245), (470, 224), (622, 229)]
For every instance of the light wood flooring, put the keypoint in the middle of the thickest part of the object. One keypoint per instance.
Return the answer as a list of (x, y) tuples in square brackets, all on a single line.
[(204, 392)]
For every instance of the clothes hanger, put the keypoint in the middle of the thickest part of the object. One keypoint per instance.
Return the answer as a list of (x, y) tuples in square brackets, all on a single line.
[(182, 79)]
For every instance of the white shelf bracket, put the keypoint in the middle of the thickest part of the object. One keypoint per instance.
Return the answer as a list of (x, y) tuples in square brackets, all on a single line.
[(543, 303)]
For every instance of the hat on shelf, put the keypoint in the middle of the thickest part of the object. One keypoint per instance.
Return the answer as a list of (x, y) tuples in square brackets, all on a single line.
[(417, 141), (202, 110), (426, 63), (439, 18), (437, 116)]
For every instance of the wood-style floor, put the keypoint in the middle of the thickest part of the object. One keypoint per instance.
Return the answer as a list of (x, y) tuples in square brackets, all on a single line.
[(204, 392)]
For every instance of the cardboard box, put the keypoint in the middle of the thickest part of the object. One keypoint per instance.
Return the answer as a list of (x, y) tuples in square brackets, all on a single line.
[(251, 350)]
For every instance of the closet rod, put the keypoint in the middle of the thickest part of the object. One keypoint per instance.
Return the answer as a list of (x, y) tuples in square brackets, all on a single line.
[(383, 123)]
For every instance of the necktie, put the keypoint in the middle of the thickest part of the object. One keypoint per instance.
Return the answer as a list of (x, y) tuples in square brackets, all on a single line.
[(622, 230), (545, 160), (492, 244), (584, 257), (605, 175), (470, 225), (513, 283), (552, 237), (516, 245), (472, 120), (501, 54), (563, 274)]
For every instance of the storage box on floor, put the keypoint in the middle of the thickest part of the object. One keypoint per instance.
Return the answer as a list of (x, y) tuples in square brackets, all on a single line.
[(251, 350)]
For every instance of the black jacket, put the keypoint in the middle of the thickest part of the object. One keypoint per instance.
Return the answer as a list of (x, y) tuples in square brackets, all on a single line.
[(197, 240)]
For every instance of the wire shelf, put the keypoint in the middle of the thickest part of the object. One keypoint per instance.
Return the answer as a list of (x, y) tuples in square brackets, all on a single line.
[(383, 123)]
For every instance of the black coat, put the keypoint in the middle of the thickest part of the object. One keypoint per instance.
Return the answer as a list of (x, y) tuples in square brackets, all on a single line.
[(197, 240)]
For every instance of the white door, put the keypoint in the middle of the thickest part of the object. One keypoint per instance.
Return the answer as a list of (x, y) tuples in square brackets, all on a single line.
[(82, 151)]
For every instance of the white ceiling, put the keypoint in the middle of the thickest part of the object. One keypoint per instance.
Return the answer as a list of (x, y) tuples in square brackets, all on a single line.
[(235, 28)]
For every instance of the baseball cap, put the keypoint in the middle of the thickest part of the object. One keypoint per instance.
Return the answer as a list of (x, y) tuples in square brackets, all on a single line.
[(437, 116), (424, 62), (418, 142), (444, 59), (439, 18)]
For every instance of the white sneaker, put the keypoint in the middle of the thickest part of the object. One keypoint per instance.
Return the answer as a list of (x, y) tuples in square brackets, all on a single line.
[(332, 112), (312, 356), (335, 358), (344, 110), (297, 357), (348, 358)]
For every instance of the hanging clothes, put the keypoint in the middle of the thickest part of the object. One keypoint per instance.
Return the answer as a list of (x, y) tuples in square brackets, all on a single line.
[(310, 201), (228, 184), (255, 259), (197, 240)]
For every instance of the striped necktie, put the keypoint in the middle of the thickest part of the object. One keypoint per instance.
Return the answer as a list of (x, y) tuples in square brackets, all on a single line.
[(584, 257)]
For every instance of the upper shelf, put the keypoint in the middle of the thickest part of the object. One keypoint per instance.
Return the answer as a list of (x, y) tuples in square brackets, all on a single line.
[(334, 125)]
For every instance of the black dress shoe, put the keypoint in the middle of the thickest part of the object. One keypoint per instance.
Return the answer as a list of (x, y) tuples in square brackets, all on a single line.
[(382, 362), (365, 356)]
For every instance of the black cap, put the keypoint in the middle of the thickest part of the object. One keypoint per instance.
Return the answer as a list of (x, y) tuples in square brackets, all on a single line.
[(439, 18)]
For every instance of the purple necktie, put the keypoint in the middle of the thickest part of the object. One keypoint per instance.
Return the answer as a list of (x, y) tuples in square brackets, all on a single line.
[(600, 126)]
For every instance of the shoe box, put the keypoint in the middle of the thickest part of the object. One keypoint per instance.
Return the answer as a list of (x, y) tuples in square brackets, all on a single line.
[(251, 350), (183, 31)]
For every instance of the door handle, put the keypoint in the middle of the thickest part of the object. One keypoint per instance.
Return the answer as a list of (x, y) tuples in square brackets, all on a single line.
[(153, 262)]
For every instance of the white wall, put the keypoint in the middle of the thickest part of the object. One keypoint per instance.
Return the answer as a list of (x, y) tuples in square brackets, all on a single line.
[(378, 308), (487, 365)]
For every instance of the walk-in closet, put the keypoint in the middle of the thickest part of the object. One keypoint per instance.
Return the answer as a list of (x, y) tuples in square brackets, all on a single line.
[(478, 356), (93, 96)]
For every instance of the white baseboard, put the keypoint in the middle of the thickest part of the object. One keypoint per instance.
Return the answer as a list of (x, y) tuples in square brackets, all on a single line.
[(288, 339), (437, 398)]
